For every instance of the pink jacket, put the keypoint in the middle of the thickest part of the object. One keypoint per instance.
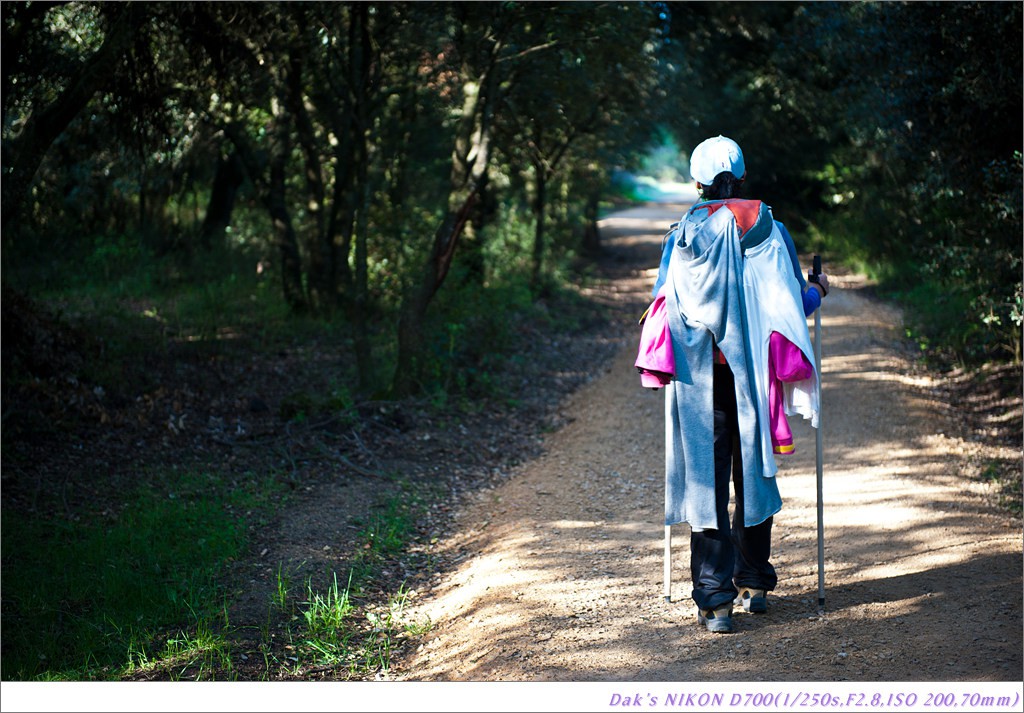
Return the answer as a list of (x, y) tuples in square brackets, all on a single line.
[(786, 363), (656, 361)]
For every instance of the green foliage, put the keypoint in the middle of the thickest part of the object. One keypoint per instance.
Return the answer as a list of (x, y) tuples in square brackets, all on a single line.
[(900, 120), (472, 334), (112, 257), (666, 161), (299, 94), (86, 599), (479, 321), (280, 597), (887, 133), (142, 299), (325, 616)]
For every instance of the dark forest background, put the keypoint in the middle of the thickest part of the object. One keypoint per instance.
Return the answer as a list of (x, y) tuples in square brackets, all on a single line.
[(361, 160)]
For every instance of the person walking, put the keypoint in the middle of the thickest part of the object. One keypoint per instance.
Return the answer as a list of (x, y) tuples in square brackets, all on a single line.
[(729, 277)]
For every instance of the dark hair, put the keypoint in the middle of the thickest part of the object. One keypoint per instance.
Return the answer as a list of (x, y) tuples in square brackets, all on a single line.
[(725, 185)]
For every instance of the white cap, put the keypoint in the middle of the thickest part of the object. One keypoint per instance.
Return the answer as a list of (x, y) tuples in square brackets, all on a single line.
[(712, 156)]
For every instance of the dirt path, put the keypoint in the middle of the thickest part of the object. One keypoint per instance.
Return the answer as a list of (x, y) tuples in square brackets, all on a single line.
[(560, 566)]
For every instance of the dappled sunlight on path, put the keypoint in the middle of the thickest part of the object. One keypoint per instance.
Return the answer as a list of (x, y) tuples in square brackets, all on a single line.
[(560, 566)]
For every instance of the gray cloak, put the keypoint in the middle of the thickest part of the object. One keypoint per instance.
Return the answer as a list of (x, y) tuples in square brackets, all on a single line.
[(705, 302)]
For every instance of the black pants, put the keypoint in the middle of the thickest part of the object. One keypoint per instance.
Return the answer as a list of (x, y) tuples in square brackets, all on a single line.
[(722, 560)]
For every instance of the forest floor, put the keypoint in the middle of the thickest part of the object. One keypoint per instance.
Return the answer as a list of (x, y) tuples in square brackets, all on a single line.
[(540, 556)]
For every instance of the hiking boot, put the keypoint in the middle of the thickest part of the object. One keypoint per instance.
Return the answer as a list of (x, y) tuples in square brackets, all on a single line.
[(718, 621), (752, 600)]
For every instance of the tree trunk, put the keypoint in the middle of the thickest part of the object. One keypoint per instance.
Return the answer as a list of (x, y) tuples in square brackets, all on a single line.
[(470, 158), (23, 155), (285, 239), (351, 125), (277, 203), (340, 225), (591, 234), (473, 241), (273, 192), (226, 182), (411, 335), (273, 196), (360, 304), (360, 61), (539, 202)]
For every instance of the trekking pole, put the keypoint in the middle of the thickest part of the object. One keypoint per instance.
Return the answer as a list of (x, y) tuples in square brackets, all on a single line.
[(818, 448), (668, 563)]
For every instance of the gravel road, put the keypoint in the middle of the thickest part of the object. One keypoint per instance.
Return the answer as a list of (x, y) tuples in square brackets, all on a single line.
[(559, 567)]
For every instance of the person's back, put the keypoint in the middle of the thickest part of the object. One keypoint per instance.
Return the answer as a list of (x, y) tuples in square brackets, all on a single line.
[(716, 431)]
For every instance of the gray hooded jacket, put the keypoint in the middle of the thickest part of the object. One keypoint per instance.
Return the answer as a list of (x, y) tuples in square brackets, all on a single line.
[(705, 302)]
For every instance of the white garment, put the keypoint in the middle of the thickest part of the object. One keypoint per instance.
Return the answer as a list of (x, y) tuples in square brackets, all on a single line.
[(773, 304)]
